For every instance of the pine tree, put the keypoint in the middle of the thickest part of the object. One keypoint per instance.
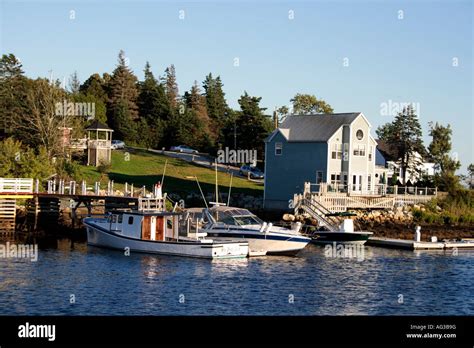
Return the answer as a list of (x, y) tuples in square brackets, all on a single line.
[(153, 107), (253, 126), (74, 83), (217, 108), (171, 86), (404, 135), (122, 108)]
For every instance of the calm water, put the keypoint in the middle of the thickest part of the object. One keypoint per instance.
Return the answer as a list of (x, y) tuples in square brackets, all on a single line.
[(106, 282)]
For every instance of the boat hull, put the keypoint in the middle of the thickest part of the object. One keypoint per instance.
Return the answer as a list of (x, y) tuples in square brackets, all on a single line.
[(265, 245), (97, 236), (329, 237)]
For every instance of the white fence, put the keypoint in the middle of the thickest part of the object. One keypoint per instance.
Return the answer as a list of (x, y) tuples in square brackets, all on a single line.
[(16, 185)]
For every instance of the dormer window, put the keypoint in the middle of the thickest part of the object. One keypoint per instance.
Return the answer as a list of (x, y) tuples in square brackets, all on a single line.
[(278, 149), (359, 134)]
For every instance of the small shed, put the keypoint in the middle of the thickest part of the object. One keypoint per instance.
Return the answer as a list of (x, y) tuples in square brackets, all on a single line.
[(99, 143)]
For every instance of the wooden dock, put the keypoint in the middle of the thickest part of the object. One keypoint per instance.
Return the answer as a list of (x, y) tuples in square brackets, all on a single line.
[(413, 245)]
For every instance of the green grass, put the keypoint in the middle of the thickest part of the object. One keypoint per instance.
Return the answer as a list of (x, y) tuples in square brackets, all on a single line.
[(143, 168)]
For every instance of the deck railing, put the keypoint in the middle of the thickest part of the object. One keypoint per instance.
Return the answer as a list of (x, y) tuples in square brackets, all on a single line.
[(375, 190), (16, 185)]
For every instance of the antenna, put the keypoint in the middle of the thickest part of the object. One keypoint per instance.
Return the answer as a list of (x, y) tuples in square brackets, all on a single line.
[(230, 188), (217, 189), (163, 176)]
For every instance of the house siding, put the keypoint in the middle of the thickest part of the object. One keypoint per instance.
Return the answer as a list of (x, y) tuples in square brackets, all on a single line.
[(286, 174)]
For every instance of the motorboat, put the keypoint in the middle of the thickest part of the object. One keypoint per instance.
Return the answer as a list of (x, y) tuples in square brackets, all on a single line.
[(223, 222), (152, 229), (344, 234)]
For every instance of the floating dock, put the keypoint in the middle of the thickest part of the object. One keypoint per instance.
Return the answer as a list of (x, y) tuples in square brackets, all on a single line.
[(413, 245)]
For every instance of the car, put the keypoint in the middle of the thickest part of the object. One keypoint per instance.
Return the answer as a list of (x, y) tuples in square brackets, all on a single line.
[(252, 172), (117, 144), (184, 149)]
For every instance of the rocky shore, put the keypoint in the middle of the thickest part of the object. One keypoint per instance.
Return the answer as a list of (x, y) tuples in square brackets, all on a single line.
[(399, 223)]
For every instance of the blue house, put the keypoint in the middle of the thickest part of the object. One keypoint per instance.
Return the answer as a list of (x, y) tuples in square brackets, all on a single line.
[(332, 149)]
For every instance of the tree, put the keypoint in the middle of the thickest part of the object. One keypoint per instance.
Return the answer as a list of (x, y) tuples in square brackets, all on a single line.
[(13, 88), (17, 160), (154, 109), (122, 108), (10, 67), (39, 125), (470, 170), (74, 83), (305, 104), (216, 105), (404, 135), (439, 150), (171, 86), (202, 135), (252, 125)]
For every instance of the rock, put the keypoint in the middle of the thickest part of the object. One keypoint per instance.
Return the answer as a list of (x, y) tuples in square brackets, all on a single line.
[(288, 217)]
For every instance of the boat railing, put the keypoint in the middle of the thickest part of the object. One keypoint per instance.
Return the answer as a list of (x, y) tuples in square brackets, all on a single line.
[(152, 203)]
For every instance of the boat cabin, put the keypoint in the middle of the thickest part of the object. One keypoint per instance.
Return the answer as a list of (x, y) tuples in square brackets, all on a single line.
[(158, 226)]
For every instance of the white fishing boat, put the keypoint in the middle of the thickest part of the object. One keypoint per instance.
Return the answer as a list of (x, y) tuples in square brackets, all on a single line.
[(222, 222), (152, 229)]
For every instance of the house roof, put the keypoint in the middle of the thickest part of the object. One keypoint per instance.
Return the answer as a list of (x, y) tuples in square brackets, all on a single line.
[(387, 150), (96, 125), (313, 128)]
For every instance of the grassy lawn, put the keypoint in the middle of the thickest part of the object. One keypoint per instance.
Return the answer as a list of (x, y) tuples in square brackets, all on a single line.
[(143, 168)]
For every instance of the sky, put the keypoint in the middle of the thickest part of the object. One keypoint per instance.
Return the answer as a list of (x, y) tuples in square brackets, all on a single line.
[(366, 56)]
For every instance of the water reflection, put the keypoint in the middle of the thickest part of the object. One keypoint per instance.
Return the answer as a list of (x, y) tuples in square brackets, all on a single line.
[(108, 282)]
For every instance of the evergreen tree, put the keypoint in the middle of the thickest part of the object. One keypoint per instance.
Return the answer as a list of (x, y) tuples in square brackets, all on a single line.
[(439, 150), (216, 104), (122, 108), (171, 86), (154, 108), (74, 83), (253, 126), (404, 135)]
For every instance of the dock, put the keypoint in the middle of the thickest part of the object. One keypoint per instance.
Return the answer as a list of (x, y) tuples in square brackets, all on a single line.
[(414, 245)]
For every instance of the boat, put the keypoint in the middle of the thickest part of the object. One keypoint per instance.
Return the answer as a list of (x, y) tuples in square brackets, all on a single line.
[(152, 229), (224, 222), (344, 234)]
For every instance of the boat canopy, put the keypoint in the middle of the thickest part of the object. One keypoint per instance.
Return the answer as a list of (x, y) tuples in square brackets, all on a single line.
[(234, 216)]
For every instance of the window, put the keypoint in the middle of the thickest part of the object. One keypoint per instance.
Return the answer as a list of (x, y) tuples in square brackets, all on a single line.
[(344, 176), (360, 134), (336, 180), (120, 218), (278, 149), (130, 220), (369, 182), (319, 177), (336, 151), (370, 153), (345, 155), (359, 150)]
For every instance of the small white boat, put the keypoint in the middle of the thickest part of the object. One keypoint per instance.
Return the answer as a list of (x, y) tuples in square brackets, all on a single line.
[(344, 235), (159, 232), (222, 222)]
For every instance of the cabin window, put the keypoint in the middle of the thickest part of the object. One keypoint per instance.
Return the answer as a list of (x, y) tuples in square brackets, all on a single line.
[(278, 149), (169, 224), (120, 218), (130, 220), (114, 218), (359, 150), (319, 177), (336, 151)]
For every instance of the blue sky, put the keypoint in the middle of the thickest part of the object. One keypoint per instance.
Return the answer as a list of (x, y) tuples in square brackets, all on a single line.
[(389, 59)]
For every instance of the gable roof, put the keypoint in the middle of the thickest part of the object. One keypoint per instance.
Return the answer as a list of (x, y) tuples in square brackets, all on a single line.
[(313, 128)]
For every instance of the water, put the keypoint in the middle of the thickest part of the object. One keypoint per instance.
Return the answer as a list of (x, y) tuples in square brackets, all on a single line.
[(106, 282)]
